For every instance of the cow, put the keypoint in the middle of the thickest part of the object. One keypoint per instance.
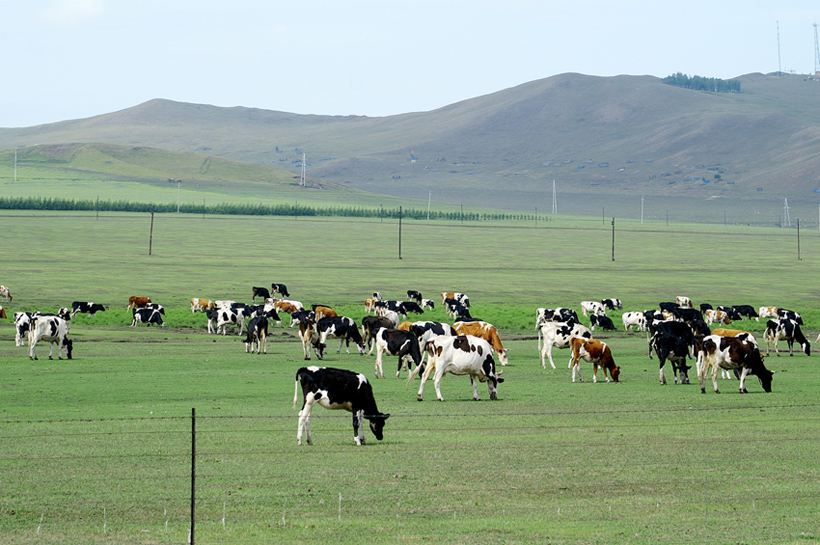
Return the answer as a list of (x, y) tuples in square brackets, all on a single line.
[(730, 312), (6, 294), (86, 308), (371, 326), (52, 329), (257, 335), (281, 288), (684, 302), (309, 336), (395, 306), (342, 328), (740, 334), (461, 355), (147, 316), (201, 305), (286, 306), (157, 307), (409, 306), (137, 302), (428, 304), (668, 306), (300, 315), (413, 295), (601, 320), (612, 304), (766, 312), (745, 311), (226, 317), (592, 307), (687, 315), (459, 312), (370, 305), (391, 315), (715, 352), (787, 329), (675, 349), (3, 313), (424, 332), (22, 325), (595, 352), (460, 297), (260, 292), (675, 329), (704, 307), (322, 311), (634, 319), (716, 316), (267, 310), (558, 334), (486, 331), (559, 314), (396, 343), (790, 315), (213, 317), (338, 389)]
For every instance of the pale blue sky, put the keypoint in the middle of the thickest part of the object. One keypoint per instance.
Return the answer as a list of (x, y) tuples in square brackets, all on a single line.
[(69, 59)]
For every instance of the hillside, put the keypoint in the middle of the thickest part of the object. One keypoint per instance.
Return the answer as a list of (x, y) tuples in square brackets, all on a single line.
[(606, 141)]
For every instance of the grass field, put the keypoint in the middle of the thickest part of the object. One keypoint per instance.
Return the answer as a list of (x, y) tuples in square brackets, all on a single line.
[(97, 449)]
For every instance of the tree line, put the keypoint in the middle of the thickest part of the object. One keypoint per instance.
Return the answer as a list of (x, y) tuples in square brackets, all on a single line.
[(248, 209), (715, 85)]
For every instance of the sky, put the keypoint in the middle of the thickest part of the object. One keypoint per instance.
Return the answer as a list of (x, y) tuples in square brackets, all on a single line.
[(71, 59)]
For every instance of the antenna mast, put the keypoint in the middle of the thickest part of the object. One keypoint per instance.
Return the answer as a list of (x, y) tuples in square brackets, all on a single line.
[(816, 53)]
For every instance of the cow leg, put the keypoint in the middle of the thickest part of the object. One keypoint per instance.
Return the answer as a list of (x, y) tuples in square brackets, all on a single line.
[(714, 377), (429, 369), (51, 350), (379, 353), (264, 344), (358, 427), (743, 374), (304, 420), (437, 382), (546, 351), (401, 359), (576, 369)]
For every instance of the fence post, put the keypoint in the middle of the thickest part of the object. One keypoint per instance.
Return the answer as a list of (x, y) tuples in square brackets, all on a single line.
[(151, 232), (193, 473)]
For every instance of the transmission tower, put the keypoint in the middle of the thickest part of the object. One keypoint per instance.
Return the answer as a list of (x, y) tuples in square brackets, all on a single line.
[(816, 53)]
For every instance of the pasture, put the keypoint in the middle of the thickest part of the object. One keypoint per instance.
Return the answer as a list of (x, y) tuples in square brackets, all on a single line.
[(98, 448)]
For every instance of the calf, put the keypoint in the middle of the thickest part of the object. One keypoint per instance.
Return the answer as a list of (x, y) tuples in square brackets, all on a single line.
[(730, 353), (342, 328), (559, 334), (286, 306), (137, 302), (766, 312), (486, 331), (6, 294), (201, 305), (281, 288), (396, 343), (428, 304), (786, 329), (409, 306), (86, 308), (684, 302), (461, 355), (147, 316), (413, 295), (595, 352), (52, 329), (260, 292), (601, 320), (257, 335), (337, 389), (22, 325)]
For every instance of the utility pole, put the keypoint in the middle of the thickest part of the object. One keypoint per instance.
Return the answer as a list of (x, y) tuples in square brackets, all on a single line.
[(613, 239), (399, 232)]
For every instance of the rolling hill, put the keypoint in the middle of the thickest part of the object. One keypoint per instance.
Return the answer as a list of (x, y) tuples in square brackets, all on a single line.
[(607, 141)]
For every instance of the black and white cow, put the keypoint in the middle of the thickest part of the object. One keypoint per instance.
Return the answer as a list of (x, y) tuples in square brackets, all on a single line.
[(428, 304), (670, 327), (745, 311), (612, 304), (559, 314), (370, 326), (257, 335), (52, 329), (230, 316), (731, 312), (260, 292), (424, 332), (715, 352), (342, 328), (281, 288), (634, 319), (592, 307), (86, 308), (396, 342), (147, 316), (461, 355), (297, 317), (157, 307), (22, 325), (601, 320), (558, 334), (337, 389), (413, 295), (790, 315), (409, 306), (786, 329), (676, 350)]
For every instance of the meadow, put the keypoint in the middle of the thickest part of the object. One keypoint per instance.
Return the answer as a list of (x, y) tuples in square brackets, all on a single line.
[(98, 448)]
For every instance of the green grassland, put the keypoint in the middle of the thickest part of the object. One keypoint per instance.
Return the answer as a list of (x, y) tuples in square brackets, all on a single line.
[(97, 449)]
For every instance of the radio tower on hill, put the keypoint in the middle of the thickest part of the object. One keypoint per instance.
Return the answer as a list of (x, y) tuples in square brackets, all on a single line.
[(816, 53)]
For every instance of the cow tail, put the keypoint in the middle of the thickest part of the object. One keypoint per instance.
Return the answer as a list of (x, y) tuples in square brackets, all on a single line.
[(296, 392)]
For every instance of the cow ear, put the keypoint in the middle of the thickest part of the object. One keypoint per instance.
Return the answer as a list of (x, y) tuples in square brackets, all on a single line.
[(386, 416)]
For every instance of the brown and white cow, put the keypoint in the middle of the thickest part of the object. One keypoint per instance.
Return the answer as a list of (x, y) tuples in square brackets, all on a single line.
[(460, 297), (595, 352), (309, 336), (324, 312), (714, 351), (767, 312), (3, 312), (684, 302), (716, 316), (486, 331), (137, 302), (5, 293), (201, 305), (286, 306)]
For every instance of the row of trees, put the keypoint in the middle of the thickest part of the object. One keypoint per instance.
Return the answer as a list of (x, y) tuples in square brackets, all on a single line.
[(699, 83), (247, 209)]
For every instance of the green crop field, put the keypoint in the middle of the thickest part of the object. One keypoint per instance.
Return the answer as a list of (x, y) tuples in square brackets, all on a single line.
[(98, 449)]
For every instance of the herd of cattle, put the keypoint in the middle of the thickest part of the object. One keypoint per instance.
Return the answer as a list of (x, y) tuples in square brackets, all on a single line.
[(675, 331)]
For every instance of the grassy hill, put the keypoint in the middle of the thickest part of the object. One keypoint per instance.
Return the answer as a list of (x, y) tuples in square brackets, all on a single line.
[(606, 141)]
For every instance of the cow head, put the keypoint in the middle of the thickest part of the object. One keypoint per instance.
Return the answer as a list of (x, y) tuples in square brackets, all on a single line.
[(615, 373), (68, 344), (377, 424), (493, 379)]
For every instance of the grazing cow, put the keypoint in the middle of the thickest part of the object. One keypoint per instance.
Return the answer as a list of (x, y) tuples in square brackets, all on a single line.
[(155, 306), (396, 343), (6, 294), (137, 302), (370, 326), (391, 315), (745, 311), (675, 329), (458, 311), (460, 297), (22, 325), (461, 355), (213, 317), (147, 316), (428, 303), (52, 329), (684, 302), (342, 328), (558, 334), (715, 352), (413, 295), (704, 307), (260, 292), (324, 312), (300, 315), (767, 312), (601, 320), (337, 389), (86, 308), (595, 352), (592, 307), (557, 315), (716, 316), (288, 307), (3, 313), (787, 329), (687, 314), (281, 288), (612, 304), (226, 317), (201, 305), (409, 306), (309, 336), (486, 331), (730, 312), (790, 315), (424, 332), (675, 349), (634, 319), (257, 335)]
